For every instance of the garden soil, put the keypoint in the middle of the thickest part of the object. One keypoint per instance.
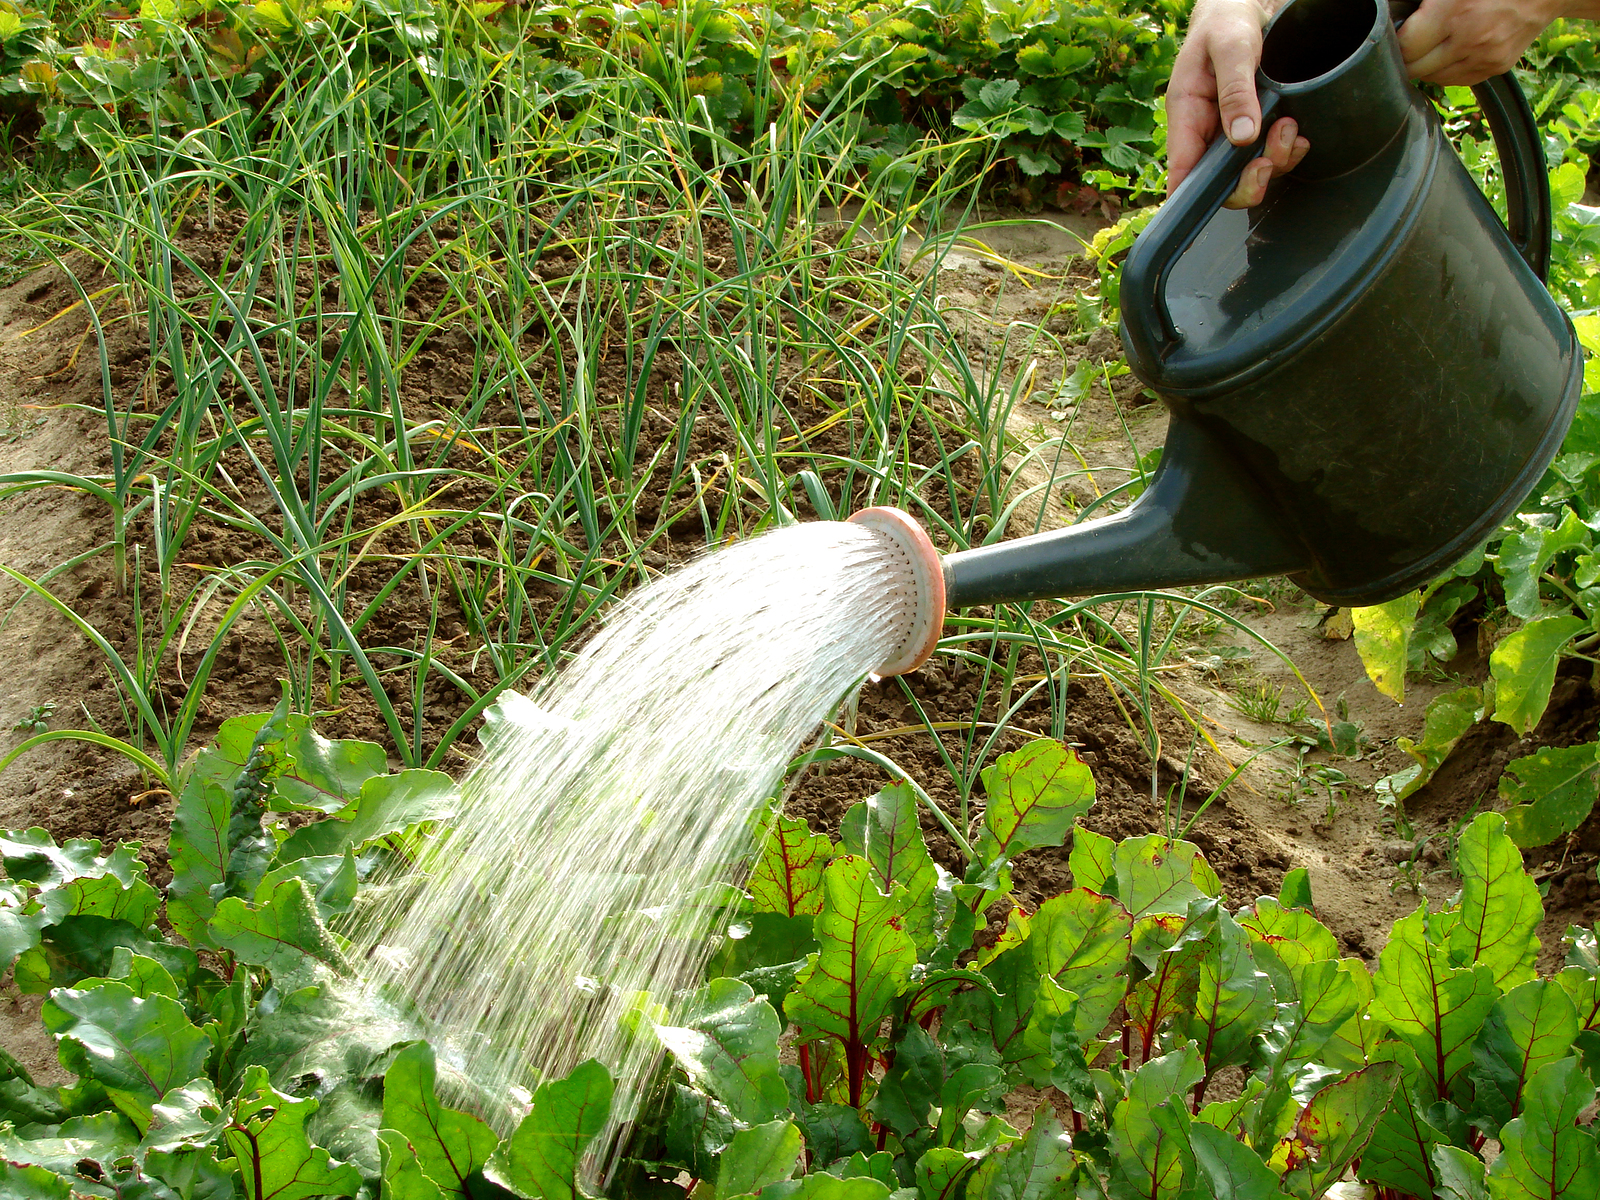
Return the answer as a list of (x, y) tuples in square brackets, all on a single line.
[(1008, 280)]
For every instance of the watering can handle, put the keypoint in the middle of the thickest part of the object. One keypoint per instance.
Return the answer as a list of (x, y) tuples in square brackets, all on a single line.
[(1175, 225), (1521, 149)]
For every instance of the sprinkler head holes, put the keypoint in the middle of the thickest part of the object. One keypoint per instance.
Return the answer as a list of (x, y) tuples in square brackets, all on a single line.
[(917, 582)]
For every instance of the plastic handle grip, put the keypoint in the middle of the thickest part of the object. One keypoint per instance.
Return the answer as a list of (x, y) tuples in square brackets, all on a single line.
[(1146, 319)]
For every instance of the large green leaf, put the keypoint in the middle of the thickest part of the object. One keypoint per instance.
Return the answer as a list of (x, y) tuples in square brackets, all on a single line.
[(323, 775), (99, 1139), (941, 1173), (758, 1156), (1544, 1152), (266, 1133), (198, 845), (450, 1145), (728, 1045), (1550, 793), (1157, 875), (1035, 794), (401, 1172), (1231, 1168), (1524, 668), (1234, 999), (544, 1156), (1173, 979), (387, 804), (883, 829), (1460, 1173), (788, 874), (76, 879), (19, 930), (865, 961), (1081, 940), (1294, 934), (1500, 907), (1529, 1027), (1335, 1127), (1039, 1167), (1525, 554), (1152, 1159), (911, 1085), (139, 1048), (279, 934), (1093, 861), (1430, 1005), (18, 1182)]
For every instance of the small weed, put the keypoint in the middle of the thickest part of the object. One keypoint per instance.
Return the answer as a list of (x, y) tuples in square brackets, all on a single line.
[(1413, 869), (36, 719), (1260, 702)]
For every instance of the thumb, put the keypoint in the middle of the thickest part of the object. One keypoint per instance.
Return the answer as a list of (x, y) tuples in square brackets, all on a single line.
[(1234, 58)]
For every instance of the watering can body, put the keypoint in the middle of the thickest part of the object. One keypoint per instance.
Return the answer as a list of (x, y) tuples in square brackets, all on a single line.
[(1365, 373)]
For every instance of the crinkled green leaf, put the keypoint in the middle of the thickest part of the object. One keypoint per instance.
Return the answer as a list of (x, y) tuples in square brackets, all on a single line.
[(401, 1172), (279, 934), (1550, 792), (1092, 861), (1461, 1174), (1544, 1153), (198, 846), (323, 775), (1081, 941), (1157, 875), (1431, 1006), (188, 1117), (331, 878), (911, 1086), (884, 830), (1334, 1129), (865, 960), (1035, 794), (758, 1156), (1234, 999), (1294, 934), (80, 948), (33, 856), (1039, 1167), (32, 1183), (1530, 1026), (1524, 555), (101, 1139), (266, 1133), (19, 931), (1524, 668), (1231, 1168), (450, 1145), (728, 1045), (387, 804), (833, 1131), (543, 1157), (1152, 1159), (138, 1048), (1400, 1153), (787, 877), (941, 1173), (1500, 906), (1172, 981), (1383, 635)]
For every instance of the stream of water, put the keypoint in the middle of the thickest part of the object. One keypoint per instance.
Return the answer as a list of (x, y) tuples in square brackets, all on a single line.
[(614, 808)]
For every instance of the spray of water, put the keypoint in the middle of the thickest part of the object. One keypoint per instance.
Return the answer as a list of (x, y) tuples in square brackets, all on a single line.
[(582, 881)]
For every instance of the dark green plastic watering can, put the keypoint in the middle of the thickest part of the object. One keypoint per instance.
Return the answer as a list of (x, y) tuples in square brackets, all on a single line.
[(1365, 373)]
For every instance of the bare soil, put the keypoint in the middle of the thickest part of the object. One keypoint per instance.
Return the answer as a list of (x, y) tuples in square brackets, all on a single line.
[(1264, 824)]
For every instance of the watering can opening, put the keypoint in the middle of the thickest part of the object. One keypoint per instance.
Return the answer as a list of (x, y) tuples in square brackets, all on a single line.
[(1315, 37)]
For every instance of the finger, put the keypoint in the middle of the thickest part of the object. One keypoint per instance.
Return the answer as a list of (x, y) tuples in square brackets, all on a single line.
[(1252, 187), (1441, 60), (1280, 143), (1234, 57), (1423, 33), (1191, 124), (1299, 152)]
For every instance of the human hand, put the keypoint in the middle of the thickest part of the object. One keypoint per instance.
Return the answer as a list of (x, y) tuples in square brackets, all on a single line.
[(1462, 42), (1213, 89)]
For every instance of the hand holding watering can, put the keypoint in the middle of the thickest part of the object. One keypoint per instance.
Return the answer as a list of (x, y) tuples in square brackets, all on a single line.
[(1460, 42)]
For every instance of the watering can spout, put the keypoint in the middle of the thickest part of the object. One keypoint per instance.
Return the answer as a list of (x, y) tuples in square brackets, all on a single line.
[(1198, 522)]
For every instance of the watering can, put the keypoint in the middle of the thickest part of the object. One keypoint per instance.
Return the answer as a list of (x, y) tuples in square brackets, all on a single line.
[(1365, 372)]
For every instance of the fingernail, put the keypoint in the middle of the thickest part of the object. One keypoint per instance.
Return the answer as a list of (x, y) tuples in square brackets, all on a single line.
[(1242, 129), (1264, 176), (1290, 131)]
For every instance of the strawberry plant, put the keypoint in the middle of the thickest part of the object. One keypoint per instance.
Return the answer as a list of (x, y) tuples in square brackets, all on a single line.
[(852, 1040)]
